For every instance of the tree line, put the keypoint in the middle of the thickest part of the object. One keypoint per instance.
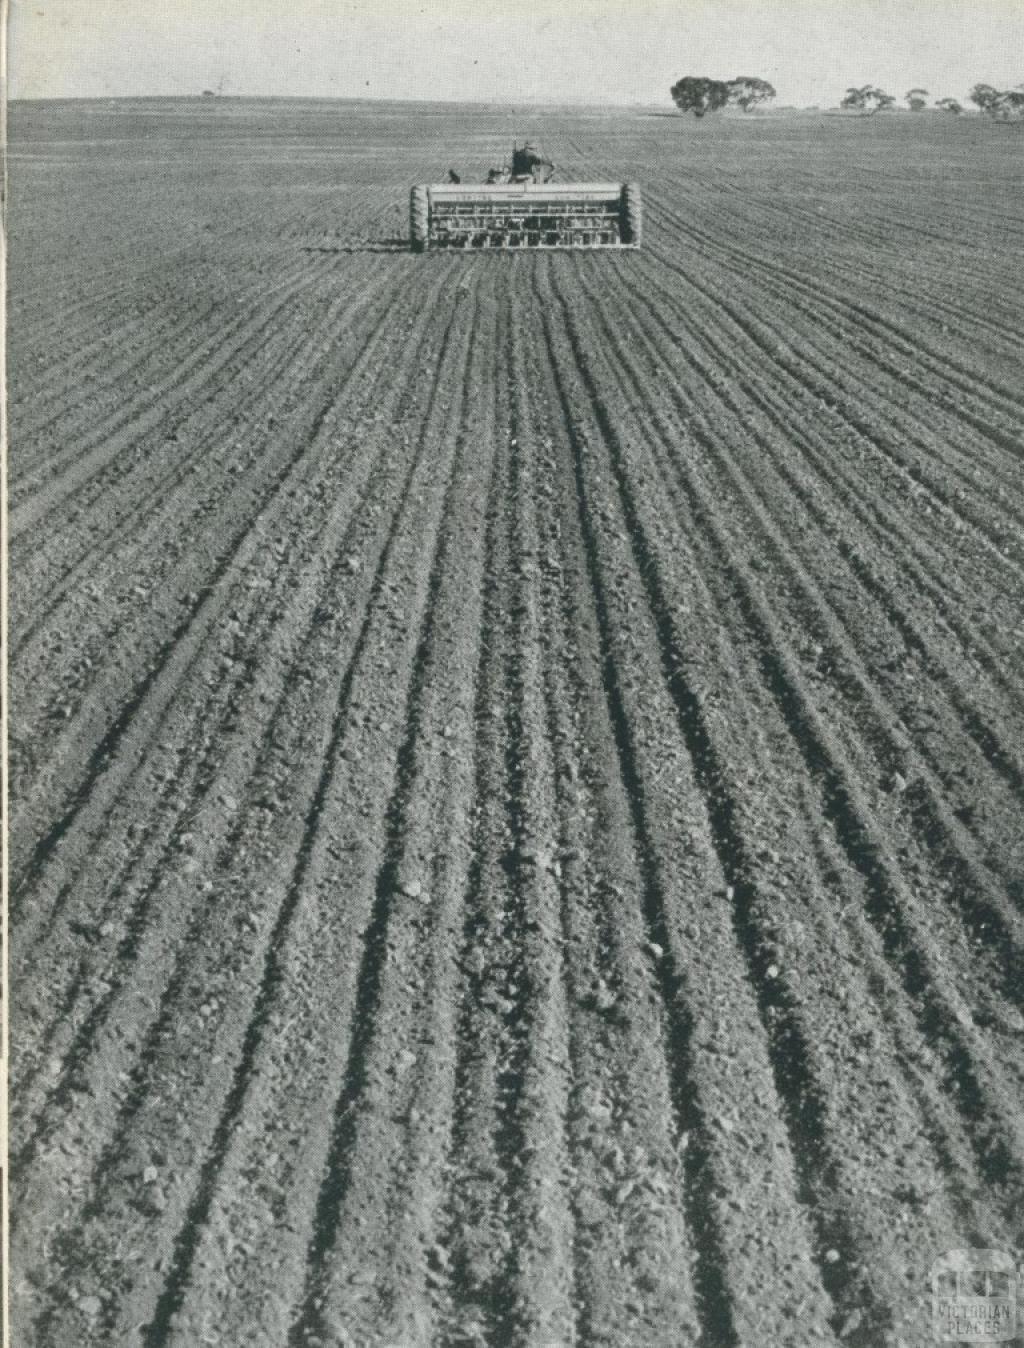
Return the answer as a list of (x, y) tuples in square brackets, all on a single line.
[(700, 95), (999, 103)]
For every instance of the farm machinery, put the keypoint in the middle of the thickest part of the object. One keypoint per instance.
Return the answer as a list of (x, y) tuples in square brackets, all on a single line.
[(519, 207)]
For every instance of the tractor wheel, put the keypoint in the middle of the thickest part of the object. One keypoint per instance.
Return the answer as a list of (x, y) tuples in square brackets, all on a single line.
[(632, 215), (419, 219)]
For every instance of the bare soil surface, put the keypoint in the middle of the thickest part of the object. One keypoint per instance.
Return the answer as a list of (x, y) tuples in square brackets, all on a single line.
[(516, 760)]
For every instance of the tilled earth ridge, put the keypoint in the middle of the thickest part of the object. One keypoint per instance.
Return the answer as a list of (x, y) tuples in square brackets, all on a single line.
[(515, 760)]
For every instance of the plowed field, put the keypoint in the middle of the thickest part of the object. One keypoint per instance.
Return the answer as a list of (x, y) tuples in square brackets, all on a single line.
[(516, 760)]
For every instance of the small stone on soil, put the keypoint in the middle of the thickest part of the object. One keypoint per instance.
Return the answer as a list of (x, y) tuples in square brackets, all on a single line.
[(604, 998)]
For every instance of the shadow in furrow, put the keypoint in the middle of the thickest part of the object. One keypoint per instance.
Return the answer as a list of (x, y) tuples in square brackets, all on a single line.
[(491, 685), (981, 915), (790, 1052), (108, 749), (997, 756), (158, 406), (798, 1092), (159, 1028), (511, 1138), (266, 502), (715, 1309), (337, 1177), (135, 922), (198, 1210)]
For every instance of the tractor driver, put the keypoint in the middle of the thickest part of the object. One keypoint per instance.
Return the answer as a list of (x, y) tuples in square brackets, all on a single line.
[(527, 161)]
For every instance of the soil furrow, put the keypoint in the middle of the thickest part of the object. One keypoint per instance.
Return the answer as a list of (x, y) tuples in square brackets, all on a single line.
[(983, 904), (678, 965), (116, 1180), (154, 856), (731, 848), (826, 464), (311, 618)]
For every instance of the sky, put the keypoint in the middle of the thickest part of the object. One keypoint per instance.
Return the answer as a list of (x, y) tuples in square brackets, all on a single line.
[(594, 51)]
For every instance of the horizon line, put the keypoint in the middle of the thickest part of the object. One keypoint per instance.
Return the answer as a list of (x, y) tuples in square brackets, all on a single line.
[(211, 97)]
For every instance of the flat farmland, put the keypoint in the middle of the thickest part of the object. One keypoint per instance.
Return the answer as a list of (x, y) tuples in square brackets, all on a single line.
[(516, 760)]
